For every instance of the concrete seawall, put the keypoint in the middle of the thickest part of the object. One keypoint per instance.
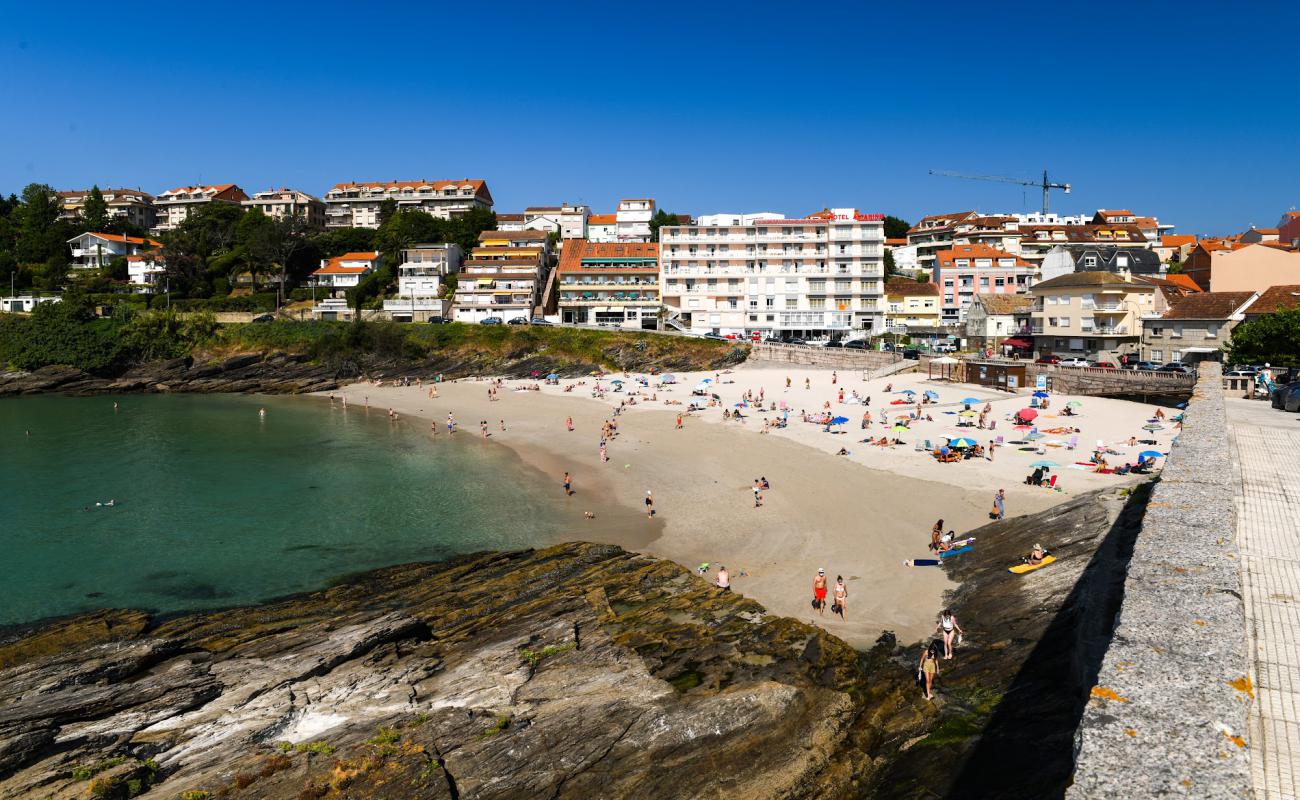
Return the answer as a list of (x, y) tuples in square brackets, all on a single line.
[(1169, 712)]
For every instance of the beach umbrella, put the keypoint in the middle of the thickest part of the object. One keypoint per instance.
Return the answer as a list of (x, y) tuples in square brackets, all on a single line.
[(1033, 437), (552, 376), (969, 400), (669, 378), (740, 405), (616, 380), (962, 441), (715, 397), (1075, 404), (1022, 427), (706, 380), (1153, 427), (1151, 454), (932, 394), (839, 420), (966, 414), (901, 429), (1027, 413), (1040, 394), (905, 391), (1044, 463)]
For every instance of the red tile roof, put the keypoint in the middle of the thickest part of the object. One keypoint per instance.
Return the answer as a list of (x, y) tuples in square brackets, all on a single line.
[(1182, 280), (976, 251), (905, 287), (577, 249), (1276, 298), (114, 237), (1177, 239), (334, 266), (602, 219), (1208, 305), (944, 220)]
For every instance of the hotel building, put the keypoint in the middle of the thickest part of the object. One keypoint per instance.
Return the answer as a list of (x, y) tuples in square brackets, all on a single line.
[(356, 205), (419, 282), (609, 283), (282, 203), (821, 276), (974, 269), (132, 205), (174, 206)]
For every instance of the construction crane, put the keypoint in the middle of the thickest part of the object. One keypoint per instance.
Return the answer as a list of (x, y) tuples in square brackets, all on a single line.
[(1045, 184)]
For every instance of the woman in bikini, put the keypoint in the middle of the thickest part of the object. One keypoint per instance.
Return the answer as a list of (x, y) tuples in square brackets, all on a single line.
[(841, 596), (950, 629)]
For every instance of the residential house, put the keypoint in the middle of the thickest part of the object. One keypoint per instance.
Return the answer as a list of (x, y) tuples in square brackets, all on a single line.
[(1175, 247), (1195, 327), (1221, 266), (288, 203), (1259, 235), (23, 304), (609, 283), (144, 271), (633, 219), (904, 255), (174, 206), (510, 222), (357, 205), (1036, 241), (965, 270), (1060, 260), (1096, 315), (131, 205), (933, 234), (911, 304), (997, 321), (602, 228), (570, 221), (818, 277), (503, 277), (345, 271), (419, 282), (1288, 229), (1274, 299), (97, 250)]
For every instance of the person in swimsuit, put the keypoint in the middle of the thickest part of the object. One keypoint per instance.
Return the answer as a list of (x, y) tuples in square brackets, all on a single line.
[(1036, 555), (928, 668), (568, 484), (723, 581), (819, 591), (649, 505), (936, 535), (950, 629), (841, 596)]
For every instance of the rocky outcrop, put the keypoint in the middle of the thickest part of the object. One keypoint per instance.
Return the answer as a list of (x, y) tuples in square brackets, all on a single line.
[(579, 671)]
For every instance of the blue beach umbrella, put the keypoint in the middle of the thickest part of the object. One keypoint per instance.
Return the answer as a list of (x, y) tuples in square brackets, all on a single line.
[(1044, 463), (905, 391), (669, 378), (1151, 454), (1040, 394), (552, 376), (962, 441), (969, 400), (706, 380), (839, 420), (932, 394)]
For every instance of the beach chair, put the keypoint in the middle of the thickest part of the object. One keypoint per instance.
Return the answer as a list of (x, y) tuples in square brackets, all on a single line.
[(1074, 442), (1052, 485), (1000, 440), (919, 448), (993, 424), (927, 445)]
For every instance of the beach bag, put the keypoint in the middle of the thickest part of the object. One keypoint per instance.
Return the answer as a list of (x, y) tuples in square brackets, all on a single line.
[(993, 512)]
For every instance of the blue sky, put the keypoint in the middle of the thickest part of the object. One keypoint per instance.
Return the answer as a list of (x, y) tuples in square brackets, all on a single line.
[(1183, 110)]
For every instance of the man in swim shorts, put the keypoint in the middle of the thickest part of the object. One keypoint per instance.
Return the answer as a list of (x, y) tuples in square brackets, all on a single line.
[(819, 591)]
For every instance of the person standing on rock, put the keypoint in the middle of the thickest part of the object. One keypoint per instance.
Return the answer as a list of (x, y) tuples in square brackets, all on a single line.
[(928, 668), (723, 581), (950, 629), (819, 591)]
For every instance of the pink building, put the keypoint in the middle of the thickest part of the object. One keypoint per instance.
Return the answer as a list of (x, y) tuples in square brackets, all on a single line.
[(967, 270)]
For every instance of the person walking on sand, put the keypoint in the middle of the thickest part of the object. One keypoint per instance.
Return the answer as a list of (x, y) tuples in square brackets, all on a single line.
[(604, 455), (568, 484), (819, 591), (999, 503), (928, 668), (950, 629), (679, 421), (649, 505), (787, 381), (568, 423), (807, 383), (835, 377), (841, 596), (482, 428)]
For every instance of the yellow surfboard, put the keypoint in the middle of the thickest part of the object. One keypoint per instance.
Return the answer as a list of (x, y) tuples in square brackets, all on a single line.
[(1021, 569)]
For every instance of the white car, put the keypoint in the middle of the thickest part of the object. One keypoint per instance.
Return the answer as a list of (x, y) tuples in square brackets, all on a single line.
[(1073, 362)]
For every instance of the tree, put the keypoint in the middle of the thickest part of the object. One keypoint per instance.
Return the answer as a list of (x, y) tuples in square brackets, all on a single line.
[(660, 219), (896, 228), (338, 241), (464, 229), (922, 276), (94, 212), (387, 208), (890, 269), (40, 236), (1271, 338)]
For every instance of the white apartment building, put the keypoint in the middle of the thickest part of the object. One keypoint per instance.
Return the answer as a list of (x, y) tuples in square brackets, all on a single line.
[(132, 205), (821, 276), (346, 271), (283, 203), (419, 282), (633, 220), (510, 222), (356, 205), (144, 272), (570, 221), (97, 250), (602, 228), (174, 206)]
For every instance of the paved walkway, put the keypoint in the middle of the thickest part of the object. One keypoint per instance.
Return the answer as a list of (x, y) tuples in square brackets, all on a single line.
[(1266, 449)]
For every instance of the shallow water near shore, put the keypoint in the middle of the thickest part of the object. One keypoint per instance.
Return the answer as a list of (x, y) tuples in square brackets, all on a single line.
[(215, 505)]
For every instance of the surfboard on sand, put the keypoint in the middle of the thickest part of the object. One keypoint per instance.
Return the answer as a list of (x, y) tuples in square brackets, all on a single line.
[(1021, 569), (922, 562)]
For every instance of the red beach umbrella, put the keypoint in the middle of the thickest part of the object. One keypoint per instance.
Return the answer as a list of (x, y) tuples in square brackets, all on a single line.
[(1028, 413)]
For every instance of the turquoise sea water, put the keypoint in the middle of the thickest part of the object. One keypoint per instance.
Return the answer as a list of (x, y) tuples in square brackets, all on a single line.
[(217, 506)]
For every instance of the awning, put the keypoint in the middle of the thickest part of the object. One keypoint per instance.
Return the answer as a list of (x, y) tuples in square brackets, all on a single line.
[(1016, 341), (1200, 349)]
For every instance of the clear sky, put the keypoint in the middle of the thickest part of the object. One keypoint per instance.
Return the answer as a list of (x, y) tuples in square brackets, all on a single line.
[(1185, 110)]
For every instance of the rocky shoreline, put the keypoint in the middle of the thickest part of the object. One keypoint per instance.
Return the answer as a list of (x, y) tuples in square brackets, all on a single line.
[(577, 671)]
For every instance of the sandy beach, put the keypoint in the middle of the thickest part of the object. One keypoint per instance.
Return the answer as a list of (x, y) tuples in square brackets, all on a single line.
[(858, 515)]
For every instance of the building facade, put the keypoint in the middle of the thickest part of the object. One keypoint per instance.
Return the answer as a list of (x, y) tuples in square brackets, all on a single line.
[(97, 250), (602, 228), (911, 304), (357, 205), (175, 205), (569, 221), (633, 219), (997, 321), (346, 271), (1061, 260), (502, 277), (1094, 315), (821, 276), (289, 203), (1218, 266), (609, 283), (965, 270), (1194, 328), (145, 272), (131, 205), (420, 282)]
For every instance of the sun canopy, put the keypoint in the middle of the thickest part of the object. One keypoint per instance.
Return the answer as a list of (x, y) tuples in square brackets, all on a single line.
[(962, 441), (1151, 454), (969, 400), (944, 360), (1044, 463), (1027, 413)]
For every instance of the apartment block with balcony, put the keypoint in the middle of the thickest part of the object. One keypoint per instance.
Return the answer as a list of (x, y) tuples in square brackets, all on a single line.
[(174, 206), (632, 221), (1096, 315), (967, 270), (999, 321), (130, 205), (1036, 241), (420, 282), (609, 283), (356, 205), (97, 250), (818, 277), (289, 203), (346, 271), (502, 277), (911, 304)]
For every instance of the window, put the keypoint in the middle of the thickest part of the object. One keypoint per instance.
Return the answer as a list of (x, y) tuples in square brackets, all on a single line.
[(1176, 355), (1090, 261), (770, 302), (817, 303), (1176, 332), (1211, 331), (1157, 356), (1156, 330), (791, 303), (1085, 323)]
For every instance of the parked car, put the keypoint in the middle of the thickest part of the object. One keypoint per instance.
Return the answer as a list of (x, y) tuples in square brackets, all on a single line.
[(1103, 365), (1241, 372), (1282, 394), (793, 340), (1048, 360), (264, 318), (517, 321), (944, 348), (712, 335), (539, 321), (772, 340), (857, 344), (437, 320), (490, 321), (1175, 366), (1144, 365), (1291, 398), (1073, 362), (834, 343), (912, 353)]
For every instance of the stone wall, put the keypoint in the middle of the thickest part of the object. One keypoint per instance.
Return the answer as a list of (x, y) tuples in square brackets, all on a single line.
[(1169, 712), (813, 355)]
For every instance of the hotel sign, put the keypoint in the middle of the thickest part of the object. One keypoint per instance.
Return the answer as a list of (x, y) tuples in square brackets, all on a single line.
[(823, 219)]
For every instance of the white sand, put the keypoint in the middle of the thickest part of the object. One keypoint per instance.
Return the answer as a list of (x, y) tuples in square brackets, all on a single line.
[(858, 516)]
